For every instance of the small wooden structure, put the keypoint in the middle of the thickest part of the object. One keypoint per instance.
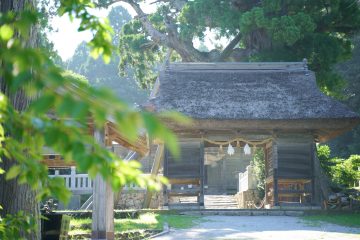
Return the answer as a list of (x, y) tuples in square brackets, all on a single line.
[(274, 106)]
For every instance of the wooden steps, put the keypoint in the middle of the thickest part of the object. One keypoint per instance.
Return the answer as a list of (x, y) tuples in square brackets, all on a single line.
[(220, 202), (211, 202)]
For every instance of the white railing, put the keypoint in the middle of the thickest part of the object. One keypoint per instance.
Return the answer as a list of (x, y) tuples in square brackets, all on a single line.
[(83, 184), (247, 180), (80, 183)]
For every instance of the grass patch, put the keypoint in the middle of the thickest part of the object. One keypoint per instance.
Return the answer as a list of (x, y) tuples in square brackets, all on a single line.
[(344, 219), (153, 221)]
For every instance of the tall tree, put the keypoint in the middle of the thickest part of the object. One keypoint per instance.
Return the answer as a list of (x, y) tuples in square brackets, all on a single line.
[(15, 197), (349, 143), (101, 74), (261, 30)]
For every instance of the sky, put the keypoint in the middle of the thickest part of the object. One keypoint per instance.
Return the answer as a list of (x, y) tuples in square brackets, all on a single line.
[(66, 37)]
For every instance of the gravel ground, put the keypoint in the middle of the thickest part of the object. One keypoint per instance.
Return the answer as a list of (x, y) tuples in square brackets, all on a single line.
[(261, 228)]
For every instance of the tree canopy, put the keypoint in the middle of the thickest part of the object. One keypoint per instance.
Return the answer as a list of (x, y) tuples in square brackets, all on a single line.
[(349, 143), (262, 30)]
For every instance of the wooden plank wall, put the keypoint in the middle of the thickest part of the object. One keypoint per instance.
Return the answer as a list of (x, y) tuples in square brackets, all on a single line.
[(188, 165), (294, 158), (269, 168)]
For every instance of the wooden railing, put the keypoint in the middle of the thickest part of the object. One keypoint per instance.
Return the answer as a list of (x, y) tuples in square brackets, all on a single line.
[(247, 180), (77, 183), (82, 183)]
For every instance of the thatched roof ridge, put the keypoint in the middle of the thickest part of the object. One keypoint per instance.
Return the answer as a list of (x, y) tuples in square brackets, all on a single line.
[(238, 91)]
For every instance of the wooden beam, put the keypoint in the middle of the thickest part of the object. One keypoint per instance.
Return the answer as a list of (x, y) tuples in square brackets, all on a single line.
[(202, 177), (140, 145), (301, 66), (103, 203), (154, 171)]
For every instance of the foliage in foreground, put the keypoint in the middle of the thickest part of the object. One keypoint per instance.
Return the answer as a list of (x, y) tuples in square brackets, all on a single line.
[(343, 172), (344, 219), (12, 226), (61, 110)]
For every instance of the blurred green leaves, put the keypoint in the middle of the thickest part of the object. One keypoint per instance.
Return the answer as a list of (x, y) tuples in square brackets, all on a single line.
[(6, 32), (343, 172), (13, 226), (63, 108), (101, 43)]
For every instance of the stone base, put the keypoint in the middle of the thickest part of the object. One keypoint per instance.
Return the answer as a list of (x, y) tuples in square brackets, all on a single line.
[(100, 235), (246, 199), (134, 199)]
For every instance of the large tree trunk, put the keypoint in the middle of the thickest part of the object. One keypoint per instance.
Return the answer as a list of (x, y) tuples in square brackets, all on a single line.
[(13, 196)]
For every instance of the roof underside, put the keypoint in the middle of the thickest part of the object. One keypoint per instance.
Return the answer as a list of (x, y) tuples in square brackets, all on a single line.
[(245, 92)]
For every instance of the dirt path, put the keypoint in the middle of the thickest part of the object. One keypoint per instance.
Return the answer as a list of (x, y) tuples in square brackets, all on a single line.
[(261, 228)]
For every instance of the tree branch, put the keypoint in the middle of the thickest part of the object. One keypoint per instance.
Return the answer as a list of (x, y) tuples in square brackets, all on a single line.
[(170, 39), (151, 30), (230, 47)]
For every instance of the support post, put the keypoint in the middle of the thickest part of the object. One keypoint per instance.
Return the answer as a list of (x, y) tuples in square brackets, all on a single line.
[(202, 177), (313, 190), (72, 177), (103, 203), (154, 171), (266, 173), (165, 188), (275, 173)]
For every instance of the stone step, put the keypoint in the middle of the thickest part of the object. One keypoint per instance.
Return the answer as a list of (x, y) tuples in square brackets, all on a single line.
[(220, 202), (211, 202)]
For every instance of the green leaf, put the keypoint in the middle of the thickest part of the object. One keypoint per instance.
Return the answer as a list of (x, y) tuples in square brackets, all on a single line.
[(13, 172), (157, 130), (6, 32), (106, 58), (2, 171), (43, 104)]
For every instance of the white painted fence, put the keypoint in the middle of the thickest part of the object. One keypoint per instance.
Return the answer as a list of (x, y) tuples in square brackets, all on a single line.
[(247, 180), (82, 183), (77, 183)]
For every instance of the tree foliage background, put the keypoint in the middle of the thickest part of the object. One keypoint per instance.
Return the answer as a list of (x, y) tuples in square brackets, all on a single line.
[(342, 172), (107, 75), (349, 143), (261, 30)]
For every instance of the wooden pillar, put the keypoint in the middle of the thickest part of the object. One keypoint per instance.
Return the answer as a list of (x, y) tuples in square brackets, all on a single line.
[(312, 157), (266, 156), (103, 203), (202, 174), (275, 174), (165, 189)]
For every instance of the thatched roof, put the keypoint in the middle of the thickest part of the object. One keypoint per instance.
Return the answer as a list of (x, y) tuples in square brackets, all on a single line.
[(245, 91)]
